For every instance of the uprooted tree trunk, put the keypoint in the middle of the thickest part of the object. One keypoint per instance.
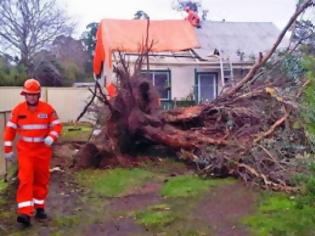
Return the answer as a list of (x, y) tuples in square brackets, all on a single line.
[(248, 132)]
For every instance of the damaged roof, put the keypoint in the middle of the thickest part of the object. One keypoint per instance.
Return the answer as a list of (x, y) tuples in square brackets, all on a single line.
[(231, 38), (131, 35)]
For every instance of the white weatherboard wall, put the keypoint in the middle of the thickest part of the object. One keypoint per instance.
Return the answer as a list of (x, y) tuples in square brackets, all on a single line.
[(9, 97), (69, 102)]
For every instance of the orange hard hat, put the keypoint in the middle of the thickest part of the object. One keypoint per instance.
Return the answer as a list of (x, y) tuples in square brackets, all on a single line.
[(31, 86)]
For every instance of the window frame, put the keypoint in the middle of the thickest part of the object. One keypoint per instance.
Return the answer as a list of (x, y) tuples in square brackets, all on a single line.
[(168, 73), (197, 84)]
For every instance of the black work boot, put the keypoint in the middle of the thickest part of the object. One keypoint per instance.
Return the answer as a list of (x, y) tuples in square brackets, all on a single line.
[(25, 220), (40, 214)]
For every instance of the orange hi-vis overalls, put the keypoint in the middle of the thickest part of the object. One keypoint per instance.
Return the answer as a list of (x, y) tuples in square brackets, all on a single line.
[(34, 155)]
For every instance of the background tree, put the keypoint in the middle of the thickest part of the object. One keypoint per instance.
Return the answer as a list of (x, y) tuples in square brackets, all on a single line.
[(52, 70), (47, 69), (11, 74), (72, 55), (88, 38), (27, 26), (303, 30), (63, 64), (304, 34)]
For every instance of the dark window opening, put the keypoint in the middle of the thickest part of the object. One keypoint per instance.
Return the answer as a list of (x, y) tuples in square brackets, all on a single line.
[(160, 80)]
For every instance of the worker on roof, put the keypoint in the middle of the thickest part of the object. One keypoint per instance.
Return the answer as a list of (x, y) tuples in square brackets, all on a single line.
[(192, 17), (37, 124), (111, 90)]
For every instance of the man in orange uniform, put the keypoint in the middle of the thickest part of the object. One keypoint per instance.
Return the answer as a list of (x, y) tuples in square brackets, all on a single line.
[(38, 127)]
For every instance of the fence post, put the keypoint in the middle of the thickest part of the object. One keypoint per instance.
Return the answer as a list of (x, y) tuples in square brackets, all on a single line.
[(46, 94), (3, 113), (5, 160)]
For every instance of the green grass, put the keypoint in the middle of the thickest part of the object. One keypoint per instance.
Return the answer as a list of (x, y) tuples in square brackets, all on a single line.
[(27, 231), (164, 165), (189, 186), (155, 216), (278, 215), (80, 132), (67, 221), (3, 185), (113, 183)]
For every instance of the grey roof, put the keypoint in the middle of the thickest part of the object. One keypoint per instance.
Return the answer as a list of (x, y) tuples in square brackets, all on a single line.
[(230, 37)]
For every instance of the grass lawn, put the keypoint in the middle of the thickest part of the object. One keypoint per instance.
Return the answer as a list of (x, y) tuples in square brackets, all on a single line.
[(76, 132)]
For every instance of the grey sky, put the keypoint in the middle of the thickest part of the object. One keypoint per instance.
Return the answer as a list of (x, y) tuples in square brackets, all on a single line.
[(84, 12)]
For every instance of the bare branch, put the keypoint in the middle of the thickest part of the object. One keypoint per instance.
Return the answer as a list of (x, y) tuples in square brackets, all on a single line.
[(265, 58), (272, 128), (88, 104), (30, 25)]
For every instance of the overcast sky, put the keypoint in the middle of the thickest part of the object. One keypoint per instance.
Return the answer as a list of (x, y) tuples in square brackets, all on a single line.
[(84, 12)]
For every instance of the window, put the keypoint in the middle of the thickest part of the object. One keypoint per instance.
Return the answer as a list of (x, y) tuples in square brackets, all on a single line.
[(207, 86), (160, 80)]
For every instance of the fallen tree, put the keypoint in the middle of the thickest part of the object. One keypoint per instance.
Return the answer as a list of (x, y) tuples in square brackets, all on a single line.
[(247, 132)]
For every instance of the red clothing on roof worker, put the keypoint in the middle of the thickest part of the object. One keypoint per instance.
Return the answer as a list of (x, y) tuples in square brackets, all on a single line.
[(111, 90), (38, 127), (192, 17)]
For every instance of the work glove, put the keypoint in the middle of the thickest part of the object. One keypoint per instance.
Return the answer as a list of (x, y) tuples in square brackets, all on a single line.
[(9, 156), (48, 141)]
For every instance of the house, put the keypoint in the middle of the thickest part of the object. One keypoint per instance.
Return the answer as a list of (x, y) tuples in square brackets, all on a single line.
[(224, 53)]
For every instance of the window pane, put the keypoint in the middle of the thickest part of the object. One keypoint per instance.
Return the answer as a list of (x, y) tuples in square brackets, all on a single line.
[(162, 84), (148, 75), (207, 87)]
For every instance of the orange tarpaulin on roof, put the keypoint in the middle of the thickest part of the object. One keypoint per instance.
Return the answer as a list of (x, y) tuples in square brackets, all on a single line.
[(129, 35)]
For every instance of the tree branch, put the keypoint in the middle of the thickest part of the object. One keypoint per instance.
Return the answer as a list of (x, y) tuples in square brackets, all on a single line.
[(265, 58)]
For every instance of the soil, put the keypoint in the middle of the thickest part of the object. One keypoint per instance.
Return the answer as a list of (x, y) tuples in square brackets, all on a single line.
[(223, 208), (119, 225)]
